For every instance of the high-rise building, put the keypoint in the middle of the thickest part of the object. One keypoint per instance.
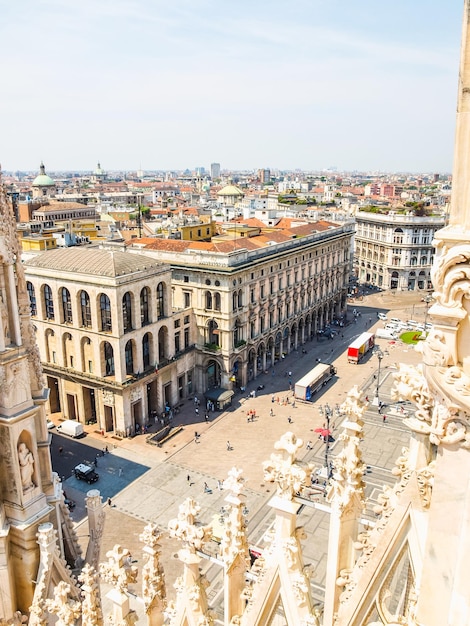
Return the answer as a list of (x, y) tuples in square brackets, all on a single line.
[(215, 170)]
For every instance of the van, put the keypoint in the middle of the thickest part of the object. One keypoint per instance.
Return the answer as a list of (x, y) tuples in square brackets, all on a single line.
[(72, 428), (383, 333)]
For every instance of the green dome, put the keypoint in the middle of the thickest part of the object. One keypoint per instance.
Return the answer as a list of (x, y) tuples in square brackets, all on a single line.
[(43, 180)]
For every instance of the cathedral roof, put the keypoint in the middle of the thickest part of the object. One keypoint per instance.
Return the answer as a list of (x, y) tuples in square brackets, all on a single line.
[(93, 261)]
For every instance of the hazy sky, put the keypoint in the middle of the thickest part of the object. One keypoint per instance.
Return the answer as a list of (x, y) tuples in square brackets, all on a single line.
[(366, 85)]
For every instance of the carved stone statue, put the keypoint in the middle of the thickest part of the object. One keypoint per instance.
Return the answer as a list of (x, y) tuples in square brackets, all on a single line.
[(26, 461)]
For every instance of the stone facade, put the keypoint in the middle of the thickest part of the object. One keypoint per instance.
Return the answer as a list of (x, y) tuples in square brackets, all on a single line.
[(113, 350), (395, 251)]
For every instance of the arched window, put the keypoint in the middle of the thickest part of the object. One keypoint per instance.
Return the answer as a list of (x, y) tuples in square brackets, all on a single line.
[(234, 301), (162, 343), (66, 306), (105, 312), (32, 298), (240, 298), (208, 300), (160, 301), (213, 333), (217, 301), (146, 350), (85, 309), (127, 312), (108, 359), (129, 358), (236, 334), (48, 303), (144, 306)]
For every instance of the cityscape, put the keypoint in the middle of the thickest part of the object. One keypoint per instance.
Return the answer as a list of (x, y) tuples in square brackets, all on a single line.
[(234, 393)]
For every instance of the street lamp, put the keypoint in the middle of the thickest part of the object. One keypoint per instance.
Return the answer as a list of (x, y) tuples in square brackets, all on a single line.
[(380, 355), (328, 414), (428, 299)]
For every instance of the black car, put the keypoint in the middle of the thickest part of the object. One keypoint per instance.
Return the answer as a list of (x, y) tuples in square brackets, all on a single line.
[(86, 473)]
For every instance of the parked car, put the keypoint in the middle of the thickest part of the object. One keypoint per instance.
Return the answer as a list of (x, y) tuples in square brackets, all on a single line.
[(382, 317), (86, 473), (395, 320)]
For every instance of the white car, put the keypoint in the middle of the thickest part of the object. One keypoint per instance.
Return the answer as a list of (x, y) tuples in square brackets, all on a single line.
[(395, 320), (412, 323), (382, 317)]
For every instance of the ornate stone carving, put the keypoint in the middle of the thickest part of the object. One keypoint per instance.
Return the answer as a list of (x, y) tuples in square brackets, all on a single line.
[(185, 529), (15, 388), (91, 604), (108, 397), (282, 469), (119, 571), (451, 273), (136, 394), (153, 577), (410, 384), (67, 611), (425, 478)]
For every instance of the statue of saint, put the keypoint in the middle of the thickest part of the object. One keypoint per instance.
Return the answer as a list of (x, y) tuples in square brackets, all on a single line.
[(26, 460)]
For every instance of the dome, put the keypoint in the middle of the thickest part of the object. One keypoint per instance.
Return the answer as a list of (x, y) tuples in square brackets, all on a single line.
[(230, 190), (43, 180)]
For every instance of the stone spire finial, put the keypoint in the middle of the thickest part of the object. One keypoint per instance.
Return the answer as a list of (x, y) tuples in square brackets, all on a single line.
[(67, 611), (185, 529), (153, 577), (119, 571), (282, 468), (234, 540), (91, 603)]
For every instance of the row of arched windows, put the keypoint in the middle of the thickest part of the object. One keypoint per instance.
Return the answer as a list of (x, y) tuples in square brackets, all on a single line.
[(104, 303), (151, 353)]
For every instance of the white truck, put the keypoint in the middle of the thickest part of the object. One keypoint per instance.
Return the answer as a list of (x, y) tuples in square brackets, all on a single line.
[(71, 428), (314, 380)]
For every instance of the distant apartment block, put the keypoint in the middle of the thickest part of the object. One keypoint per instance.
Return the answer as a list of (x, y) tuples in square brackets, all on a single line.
[(215, 170)]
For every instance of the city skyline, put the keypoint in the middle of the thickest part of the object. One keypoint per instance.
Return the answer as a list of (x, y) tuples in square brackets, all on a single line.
[(166, 87)]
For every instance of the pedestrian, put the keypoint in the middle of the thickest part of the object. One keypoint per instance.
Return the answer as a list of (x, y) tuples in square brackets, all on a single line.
[(120, 471), (384, 418), (367, 398), (188, 478), (272, 398), (219, 485), (293, 404), (196, 410), (229, 447), (207, 489), (96, 461), (271, 413), (109, 502), (206, 417), (61, 450), (309, 445), (289, 419)]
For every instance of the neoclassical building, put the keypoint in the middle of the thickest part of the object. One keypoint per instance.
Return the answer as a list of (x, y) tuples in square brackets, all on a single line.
[(112, 348), (256, 298), (395, 251)]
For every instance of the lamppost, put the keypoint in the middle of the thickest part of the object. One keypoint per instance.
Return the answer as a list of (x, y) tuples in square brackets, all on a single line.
[(380, 355), (328, 414), (428, 299)]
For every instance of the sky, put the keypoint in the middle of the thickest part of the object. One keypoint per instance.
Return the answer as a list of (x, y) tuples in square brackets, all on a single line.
[(306, 84)]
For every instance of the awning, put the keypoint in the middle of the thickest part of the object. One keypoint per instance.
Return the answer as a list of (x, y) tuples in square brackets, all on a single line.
[(218, 395)]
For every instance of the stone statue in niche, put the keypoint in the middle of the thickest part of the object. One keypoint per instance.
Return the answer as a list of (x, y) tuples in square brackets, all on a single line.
[(4, 318), (26, 461)]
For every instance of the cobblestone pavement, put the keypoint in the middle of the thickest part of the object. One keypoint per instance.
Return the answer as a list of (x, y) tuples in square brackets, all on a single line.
[(156, 495)]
